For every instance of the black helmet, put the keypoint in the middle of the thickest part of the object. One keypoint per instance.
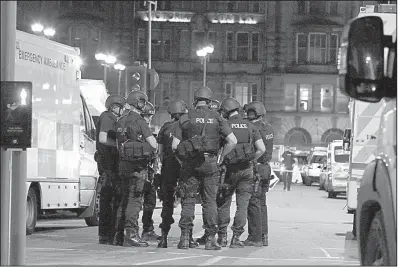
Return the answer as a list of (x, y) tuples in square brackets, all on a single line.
[(137, 99), (177, 107), (148, 109), (257, 107), (203, 93), (229, 104), (115, 100), (215, 105)]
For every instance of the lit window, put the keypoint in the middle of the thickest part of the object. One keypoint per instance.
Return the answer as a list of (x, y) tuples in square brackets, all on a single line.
[(305, 97), (242, 93), (291, 97), (317, 51), (242, 47), (254, 92)]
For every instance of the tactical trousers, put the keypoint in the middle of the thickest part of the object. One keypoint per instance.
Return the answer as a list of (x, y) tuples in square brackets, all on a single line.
[(148, 207), (257, 215), (134, 178), (170, 173), (110, 196), (287, 180), (200, 171), (241, 182)]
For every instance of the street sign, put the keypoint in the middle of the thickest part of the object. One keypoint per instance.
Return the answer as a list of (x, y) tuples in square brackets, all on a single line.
[(16, 114)]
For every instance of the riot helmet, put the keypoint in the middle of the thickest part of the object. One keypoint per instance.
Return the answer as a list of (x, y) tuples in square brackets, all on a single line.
[(255, 110), (148, 111), (203, 94), (228, 106), (215, 105), (115, 103), (177, 108), (137, 99)]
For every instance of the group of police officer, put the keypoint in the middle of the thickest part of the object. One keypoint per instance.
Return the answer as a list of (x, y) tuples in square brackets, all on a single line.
[(219, 149)]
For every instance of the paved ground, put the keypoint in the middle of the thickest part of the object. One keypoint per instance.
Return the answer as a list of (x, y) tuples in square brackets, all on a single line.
[(306, 228)]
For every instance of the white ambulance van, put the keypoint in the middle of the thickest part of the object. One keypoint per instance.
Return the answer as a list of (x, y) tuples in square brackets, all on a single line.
[(61, 171)]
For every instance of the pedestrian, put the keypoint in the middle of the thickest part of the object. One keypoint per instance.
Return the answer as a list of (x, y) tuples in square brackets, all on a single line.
[(196, 144), (287, 160), (136, 148), (258, 210), (148, 232), (239, 173), (296, 175), (107, 160), (170, 169)]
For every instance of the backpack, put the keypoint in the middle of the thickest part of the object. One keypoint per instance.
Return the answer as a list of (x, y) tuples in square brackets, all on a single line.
[(135, 150), (197, 145), (243, 153)]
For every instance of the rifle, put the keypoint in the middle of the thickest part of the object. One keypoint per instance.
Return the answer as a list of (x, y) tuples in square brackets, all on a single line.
[(257, 178)]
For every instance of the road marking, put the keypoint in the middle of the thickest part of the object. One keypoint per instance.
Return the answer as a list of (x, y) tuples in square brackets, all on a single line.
[(327, 257), (163, 260), (52, 249), (325, 252), (212, 261)]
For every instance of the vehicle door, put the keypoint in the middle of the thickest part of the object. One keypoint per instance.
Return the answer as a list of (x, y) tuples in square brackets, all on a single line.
[(88, 166)]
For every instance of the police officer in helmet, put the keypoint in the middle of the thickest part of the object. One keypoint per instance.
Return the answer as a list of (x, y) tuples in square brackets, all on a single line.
[(170, 167), (196, 144), (239, 173), (107, 161), (215, 105), (257, 211), (136, 146), (149, 206)]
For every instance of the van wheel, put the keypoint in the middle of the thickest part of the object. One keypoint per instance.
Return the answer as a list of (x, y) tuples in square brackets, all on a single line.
[(31, 211), (94, 220), (376, 249)]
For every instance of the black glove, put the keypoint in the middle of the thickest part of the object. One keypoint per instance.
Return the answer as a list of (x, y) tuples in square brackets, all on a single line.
[(160, 194)]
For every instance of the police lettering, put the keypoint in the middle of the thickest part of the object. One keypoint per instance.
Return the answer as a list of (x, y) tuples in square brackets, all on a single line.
[(202, 120), (269, 136), (239, 126)]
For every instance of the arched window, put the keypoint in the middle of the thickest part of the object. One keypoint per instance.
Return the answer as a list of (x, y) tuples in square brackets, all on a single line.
[(297, 136), (332, 134)]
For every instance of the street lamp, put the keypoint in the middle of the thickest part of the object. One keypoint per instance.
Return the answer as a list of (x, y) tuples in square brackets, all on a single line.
[(39, 29), (203, 54), (106, 61), (120, 68)]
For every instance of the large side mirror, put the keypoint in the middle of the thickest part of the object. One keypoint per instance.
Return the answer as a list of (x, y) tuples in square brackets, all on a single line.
[(347, 139), (361, 69)]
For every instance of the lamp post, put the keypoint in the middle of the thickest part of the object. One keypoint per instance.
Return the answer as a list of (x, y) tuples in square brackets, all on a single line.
[(203, 54), (39, 29), (106, 60), (120, 68)]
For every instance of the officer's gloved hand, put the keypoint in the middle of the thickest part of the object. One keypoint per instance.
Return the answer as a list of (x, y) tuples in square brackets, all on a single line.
[(265, 185), (160, 194)]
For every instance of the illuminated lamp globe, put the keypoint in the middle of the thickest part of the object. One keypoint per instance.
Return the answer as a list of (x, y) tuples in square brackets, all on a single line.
[(209, 49), (201, 53)]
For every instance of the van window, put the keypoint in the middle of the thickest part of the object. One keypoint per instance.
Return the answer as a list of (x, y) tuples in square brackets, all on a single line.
[(89, 125), (340, 155), (318, 159)]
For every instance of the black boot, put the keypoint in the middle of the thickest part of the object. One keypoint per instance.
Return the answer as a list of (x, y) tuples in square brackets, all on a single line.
[(235, 242), (163, 239), (150, 236), (202, 240), (119, 238), (211, 243), (184, 240), (132, 239), (265, 240), (222, 240), (192, 243), (251, 243), (104, 240)]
